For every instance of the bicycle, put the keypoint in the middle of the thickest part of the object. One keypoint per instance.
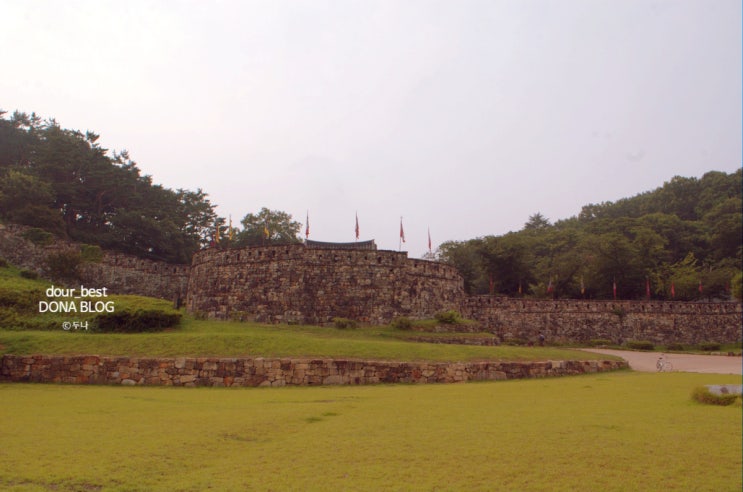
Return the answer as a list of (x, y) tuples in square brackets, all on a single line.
[(663, 365)]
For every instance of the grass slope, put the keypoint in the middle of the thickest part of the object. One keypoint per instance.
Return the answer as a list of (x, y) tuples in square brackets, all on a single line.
[(232, 339), (611, 432)]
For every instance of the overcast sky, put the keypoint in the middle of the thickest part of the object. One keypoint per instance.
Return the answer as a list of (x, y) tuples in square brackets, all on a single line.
[(463, 116)]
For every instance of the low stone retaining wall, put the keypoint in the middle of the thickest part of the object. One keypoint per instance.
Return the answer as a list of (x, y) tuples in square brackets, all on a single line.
[(92, 369)]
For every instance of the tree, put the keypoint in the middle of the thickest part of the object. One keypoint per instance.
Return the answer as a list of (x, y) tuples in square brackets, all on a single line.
[(465, 257), (268, 227), (536, 221)]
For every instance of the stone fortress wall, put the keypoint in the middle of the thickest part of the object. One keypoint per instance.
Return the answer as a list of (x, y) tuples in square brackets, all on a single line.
[(119, 272), (571, 320), (297, 284)]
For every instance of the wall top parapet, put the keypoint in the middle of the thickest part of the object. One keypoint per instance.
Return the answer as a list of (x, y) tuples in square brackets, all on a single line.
[(612, 306)]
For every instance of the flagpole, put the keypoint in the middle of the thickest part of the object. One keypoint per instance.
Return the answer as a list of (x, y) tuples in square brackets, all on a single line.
[(402, 235)]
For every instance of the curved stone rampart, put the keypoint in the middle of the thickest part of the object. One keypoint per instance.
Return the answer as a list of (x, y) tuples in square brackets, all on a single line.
[(295, 284)]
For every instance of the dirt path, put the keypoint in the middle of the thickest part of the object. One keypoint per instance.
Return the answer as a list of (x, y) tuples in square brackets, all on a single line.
[(645, 361)]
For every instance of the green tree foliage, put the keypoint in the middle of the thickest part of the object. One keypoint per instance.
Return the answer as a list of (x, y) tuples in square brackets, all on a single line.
[(268, 227), (64, 182), (686, 233)]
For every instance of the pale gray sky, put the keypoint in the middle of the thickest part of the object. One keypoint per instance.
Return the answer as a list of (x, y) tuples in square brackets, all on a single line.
[(463, 116)]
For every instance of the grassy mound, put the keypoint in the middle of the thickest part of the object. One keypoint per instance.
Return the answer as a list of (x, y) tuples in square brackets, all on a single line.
[(25, 304)]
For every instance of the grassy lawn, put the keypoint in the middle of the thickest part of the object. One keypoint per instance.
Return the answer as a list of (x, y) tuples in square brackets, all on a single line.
[(233, 339), (619, 431)]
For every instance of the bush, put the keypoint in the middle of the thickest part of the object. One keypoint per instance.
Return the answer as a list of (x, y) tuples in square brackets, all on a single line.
[(3, 263), (450, 317), (90, 253), (9, 319), (63, 265), (29, 274), (135, 321), (640, 345), (344, 323), (675, 346), (702, 394), (40, 237), (598, 342), (710, 346), (402, 323), (22, 301)]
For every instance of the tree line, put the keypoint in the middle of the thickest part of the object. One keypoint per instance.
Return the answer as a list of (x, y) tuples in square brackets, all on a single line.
[(681, 241), (64, 182)]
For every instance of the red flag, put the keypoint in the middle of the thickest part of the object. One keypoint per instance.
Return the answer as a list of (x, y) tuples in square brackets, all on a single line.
[(429, 240), (614, 289), (582, 286), (549, 286), (673, 290), (647, 288), (357, 225), (307, 228), (402, 232), (700, 287)]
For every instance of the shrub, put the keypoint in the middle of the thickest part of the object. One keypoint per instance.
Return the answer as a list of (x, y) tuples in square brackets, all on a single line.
[(344, 323), (40, 237), (22, 301), (640, 345), (597, 342), (675, 346), (29, 274), (710, 346), (619, 312), (91, 253), (135, 321), (9, 319), (450, 317), (63, 265), (3, 263), (702, 394), (402, 323)]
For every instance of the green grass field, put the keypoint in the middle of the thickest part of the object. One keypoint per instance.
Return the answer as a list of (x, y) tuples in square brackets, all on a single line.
[(619, 431)]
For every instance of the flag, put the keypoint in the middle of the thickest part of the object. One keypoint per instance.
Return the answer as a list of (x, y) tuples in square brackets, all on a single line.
[(582, 286), (357, 225), (307, 226), (549, 286), (216, 233), (647, 288), (429, 240), (673, 290), (265, 230), (231, 235), (614, 289), (520, 292), (700, 286), (402, 232)]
